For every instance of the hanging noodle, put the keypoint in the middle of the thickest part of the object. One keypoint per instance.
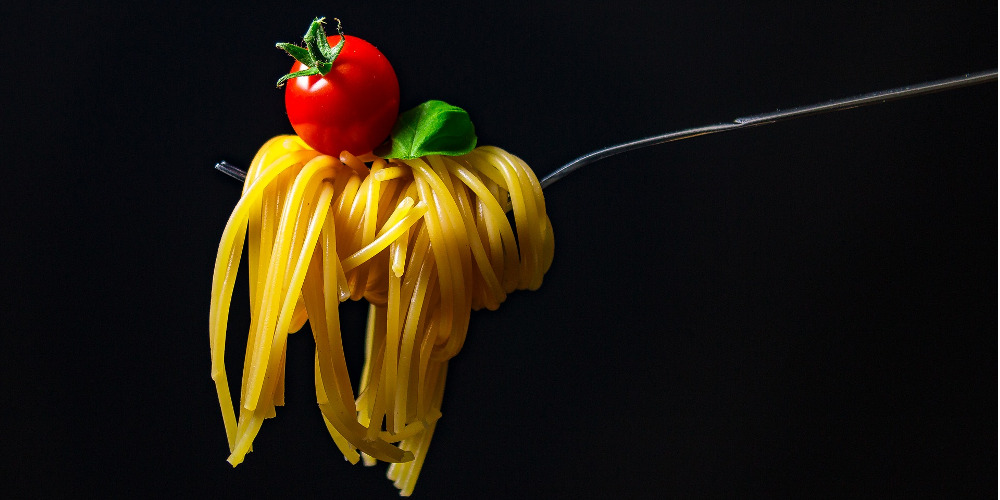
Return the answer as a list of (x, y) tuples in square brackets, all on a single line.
[(424, 241)]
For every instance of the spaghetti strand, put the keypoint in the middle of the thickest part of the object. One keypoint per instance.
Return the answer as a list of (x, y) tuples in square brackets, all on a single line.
[(425, 241)]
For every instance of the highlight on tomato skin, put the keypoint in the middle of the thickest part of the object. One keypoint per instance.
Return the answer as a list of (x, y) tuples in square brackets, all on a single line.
[(352, 108)]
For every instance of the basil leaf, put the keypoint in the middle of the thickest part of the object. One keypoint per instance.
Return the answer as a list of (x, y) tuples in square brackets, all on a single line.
[(432, 128)]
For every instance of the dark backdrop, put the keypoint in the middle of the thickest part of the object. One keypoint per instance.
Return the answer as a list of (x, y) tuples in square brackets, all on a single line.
[(799, 310)]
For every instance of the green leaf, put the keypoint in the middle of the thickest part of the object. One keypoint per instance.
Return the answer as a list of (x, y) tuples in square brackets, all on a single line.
[(300, 54), (305, 72), (315, 40), (335, 51), (432, 128), (317, 55)]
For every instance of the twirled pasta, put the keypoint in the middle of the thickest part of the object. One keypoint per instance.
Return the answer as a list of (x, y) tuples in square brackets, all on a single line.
[(424, 241)]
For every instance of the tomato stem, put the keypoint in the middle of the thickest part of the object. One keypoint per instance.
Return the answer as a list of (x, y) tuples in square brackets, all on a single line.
[(317, 55)]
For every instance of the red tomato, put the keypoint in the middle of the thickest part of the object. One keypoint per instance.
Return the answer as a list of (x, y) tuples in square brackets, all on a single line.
[(353, 107)]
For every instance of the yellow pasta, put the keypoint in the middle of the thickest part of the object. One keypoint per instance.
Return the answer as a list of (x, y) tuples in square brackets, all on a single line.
[(424, 241)]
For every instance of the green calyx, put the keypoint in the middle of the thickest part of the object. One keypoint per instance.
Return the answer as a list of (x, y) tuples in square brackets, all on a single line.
[(317, 55)]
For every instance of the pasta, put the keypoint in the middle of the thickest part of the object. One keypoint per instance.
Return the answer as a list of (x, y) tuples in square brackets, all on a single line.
[(424, 241)]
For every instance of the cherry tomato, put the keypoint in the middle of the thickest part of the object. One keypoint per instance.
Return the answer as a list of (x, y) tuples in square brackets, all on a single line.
[(353, 107)]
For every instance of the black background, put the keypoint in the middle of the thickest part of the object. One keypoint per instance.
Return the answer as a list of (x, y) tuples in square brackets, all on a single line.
[(801, 309)]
